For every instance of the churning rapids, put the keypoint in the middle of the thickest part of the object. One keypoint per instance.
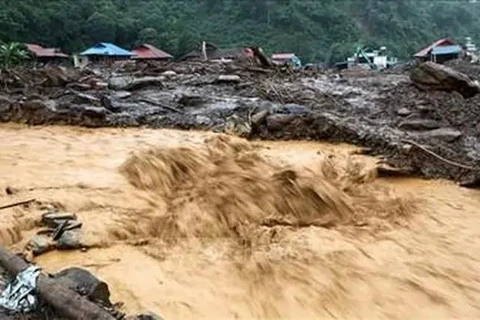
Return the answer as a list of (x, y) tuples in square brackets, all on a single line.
[(196, 225)]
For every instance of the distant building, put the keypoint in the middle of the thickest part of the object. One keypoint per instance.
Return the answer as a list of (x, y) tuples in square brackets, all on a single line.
[(106, 52), (365, 58), (286, 58), (212, 52), (148, 52), (46, 55), (440, 51)]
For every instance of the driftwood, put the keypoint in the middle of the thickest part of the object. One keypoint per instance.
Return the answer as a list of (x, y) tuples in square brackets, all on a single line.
[(16, 204), (65, 301), (264, 61)]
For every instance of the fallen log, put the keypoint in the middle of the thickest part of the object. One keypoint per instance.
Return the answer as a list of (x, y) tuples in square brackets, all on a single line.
[(16, 204), (65, 301)]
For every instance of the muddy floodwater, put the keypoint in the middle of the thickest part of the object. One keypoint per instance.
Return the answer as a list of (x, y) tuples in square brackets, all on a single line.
[(196, 225)]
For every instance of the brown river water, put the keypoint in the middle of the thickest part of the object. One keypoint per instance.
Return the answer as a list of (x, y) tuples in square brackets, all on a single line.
[(194, 225)]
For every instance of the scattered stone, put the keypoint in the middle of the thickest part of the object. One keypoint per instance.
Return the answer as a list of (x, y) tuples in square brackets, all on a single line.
[(10, 190), (419, 124), (53, 219), (145, 316), (122, 94), (445, 134), (39, 244), (229, 78), (279, 121), (70, 240), (403, 112), (295, 109), (170, 73), (132, 84), (192, 100), (259, 117)]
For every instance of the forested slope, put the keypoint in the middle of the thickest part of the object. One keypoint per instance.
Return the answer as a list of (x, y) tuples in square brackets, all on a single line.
[(318, 30)]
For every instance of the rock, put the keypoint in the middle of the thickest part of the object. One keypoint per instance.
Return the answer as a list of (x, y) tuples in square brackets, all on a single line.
[(40, 244), (295, 109), (259, 117), (70, 240), (279, 121), (122, 94), (145, 316), (169, 73), (132, 84), (192, 100), (419, 124), (86, 284), (34, 105), (403, 112), (79, 86), (100, 85), (445, 134), (430, 76), (228, 78), (54, 219), (11, 190), (85, 98)]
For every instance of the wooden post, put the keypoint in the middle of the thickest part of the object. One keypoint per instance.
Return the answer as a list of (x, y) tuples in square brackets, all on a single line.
[(65, 301)]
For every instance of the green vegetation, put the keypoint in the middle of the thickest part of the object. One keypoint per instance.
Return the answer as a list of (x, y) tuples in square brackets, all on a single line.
[(12, 54), (318, 30)]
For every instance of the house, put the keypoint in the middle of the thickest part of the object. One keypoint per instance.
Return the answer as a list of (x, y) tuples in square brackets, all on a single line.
[(148, 52), (212, 52), (286, 58), (46, 55), (440, 51), (106, 52), (369, 59)]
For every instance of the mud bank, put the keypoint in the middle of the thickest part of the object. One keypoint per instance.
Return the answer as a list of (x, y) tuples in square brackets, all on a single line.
[(428, 133)]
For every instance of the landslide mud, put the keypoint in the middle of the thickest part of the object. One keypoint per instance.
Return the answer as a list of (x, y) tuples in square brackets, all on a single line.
[(432, 134), (197, 225)]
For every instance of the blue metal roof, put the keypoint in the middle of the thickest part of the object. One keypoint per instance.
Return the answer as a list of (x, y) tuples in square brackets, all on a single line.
[(446, 50), (106, 49)]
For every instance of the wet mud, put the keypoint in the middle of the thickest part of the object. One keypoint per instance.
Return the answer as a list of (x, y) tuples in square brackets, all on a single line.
[(199, 225)]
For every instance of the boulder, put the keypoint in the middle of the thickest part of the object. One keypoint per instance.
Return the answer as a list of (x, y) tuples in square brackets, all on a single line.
[(39, 244), (86, 284), (132, 84), (444, 134), (279, 121), (419, 124), (430, 76), (70, 240), (259, 117)]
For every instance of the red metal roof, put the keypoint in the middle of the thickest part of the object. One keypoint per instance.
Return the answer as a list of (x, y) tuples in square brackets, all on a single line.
[(41, 52), (282, 56), (147, 51), (439, 43)]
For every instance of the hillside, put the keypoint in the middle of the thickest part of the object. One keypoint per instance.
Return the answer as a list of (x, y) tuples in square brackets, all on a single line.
[(324, 30)]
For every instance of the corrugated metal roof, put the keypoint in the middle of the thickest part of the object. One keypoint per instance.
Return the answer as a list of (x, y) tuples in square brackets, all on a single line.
[(446, 50), (106, 49), (147, 51), (426, 51), (41, 52)]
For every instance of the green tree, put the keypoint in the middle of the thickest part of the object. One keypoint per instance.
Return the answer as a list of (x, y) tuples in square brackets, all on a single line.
[(12, 54)]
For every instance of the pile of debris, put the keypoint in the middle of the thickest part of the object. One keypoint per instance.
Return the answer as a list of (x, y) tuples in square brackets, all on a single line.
[(417, 122)]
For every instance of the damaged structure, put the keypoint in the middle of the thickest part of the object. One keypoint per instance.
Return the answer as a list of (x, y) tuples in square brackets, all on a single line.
[(148, 52), (106, 52), (440, 51), (46, 55)]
